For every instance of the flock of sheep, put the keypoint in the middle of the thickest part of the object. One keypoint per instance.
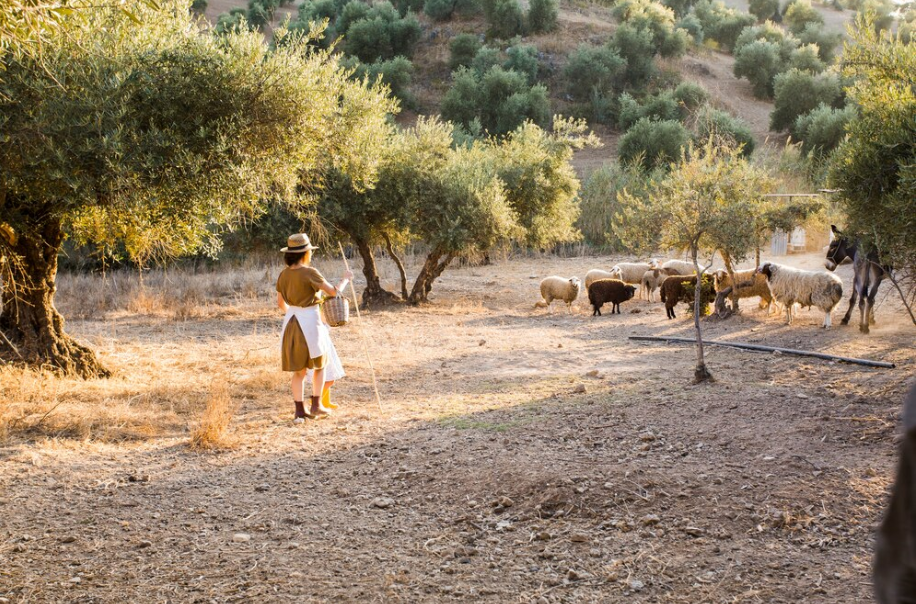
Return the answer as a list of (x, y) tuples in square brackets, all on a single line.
[(676, 281)]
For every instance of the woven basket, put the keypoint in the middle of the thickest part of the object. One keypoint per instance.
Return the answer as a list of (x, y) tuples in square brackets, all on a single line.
[(336, 311)]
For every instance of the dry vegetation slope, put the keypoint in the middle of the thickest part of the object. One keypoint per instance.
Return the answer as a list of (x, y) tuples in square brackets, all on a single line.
[(519, 456)]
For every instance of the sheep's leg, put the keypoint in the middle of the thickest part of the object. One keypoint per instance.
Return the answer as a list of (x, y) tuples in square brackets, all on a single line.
[(789, 306), (827, 319)]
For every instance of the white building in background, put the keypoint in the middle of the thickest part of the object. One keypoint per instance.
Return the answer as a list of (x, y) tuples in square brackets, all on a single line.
[(782, 243)]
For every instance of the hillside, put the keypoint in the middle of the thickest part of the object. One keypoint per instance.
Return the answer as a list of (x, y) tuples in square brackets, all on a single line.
[(579, 23)]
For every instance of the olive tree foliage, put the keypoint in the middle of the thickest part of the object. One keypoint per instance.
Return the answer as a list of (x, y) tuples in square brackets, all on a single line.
[(498, 101), (797, 92), (875, 167), (599, 200), (149, 137), (705, 204)]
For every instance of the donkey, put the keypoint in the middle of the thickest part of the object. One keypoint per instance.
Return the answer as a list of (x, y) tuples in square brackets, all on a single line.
[(868, 274), (894, 570)]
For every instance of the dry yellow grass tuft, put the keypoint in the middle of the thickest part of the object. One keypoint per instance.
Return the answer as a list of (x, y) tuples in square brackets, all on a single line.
[(212, 432)]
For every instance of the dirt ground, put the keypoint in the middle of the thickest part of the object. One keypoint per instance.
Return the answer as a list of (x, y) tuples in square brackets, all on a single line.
[(518, 455)]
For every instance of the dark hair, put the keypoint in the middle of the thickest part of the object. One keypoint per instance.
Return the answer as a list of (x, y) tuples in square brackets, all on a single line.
[(292, 258)]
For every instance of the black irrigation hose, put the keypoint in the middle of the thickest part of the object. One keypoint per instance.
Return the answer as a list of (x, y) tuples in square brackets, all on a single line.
[(759, 348)]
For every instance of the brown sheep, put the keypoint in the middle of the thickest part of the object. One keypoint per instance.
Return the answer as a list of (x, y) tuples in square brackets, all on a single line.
[(676, 289), (750, 284), (609, 290)]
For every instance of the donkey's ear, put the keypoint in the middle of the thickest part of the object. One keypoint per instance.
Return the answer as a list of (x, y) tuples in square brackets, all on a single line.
[(834, 230)]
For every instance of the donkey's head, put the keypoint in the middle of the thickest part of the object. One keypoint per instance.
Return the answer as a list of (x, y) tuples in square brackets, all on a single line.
[(839, 250)]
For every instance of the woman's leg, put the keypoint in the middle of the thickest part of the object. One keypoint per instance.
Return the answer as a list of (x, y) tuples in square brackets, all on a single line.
[(317, 388), (297, 384)]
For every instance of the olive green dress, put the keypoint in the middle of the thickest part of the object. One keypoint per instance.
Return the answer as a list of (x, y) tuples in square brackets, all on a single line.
[(299, 286)]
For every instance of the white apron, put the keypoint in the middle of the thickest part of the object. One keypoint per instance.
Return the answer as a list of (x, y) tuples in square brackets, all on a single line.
[(316, 333)]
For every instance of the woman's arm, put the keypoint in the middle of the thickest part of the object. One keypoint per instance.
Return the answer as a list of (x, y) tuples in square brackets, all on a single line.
[(331, 291), (281, 303)]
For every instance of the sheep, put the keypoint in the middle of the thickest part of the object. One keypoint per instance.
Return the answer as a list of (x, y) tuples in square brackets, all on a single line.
[(894, 569), (652, 280), (681, 288), (559, 288), (595, 274), (614, 291), (790, 286), (750, 284), (680, 267), (632, 272)]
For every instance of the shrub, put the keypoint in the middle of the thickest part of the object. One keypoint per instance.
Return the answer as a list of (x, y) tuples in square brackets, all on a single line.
[(636, 48), (798, 92), (542, 15), (805, 58), (906, 29), (680, 7), (460, 104), (258, 15), (826, 41), (721, 23), (726, 129), (383, 36), (690, 95), (486, 59), (405, 6), (763, 9), (653, 144), (882, 11), (396, 73), (463, 48), (799, 13), (759, 62), (769, 32), (658, 20), (599, 203), (592, 68), (658, 108), (318, 10), (439, 10), (231, 21), (505, 18), (468, 7), (523, 58), (822, 129), (199, 6), (693, 27), (350, 14), (499, 100)]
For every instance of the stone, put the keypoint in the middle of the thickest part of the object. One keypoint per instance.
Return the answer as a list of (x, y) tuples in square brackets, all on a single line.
[(579, 538), (694, 531), (650, 519), (382, 503), (636, 585), (580, 389), (241, 537), (592, 374), (146, 544)]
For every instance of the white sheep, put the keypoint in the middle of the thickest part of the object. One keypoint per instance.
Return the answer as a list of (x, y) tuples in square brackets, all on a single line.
[(790, 286), (594, 275), (632, 272), (559, 288), (652, 280), (750, 284), (680, 267)]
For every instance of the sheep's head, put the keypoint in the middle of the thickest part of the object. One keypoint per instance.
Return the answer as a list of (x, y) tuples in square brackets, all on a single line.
[(718, 277), (575, 284), (766, 269), (616, 272), (653, 263), (630, 291)]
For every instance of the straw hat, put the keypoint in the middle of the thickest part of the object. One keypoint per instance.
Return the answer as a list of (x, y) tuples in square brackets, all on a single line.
[(298, 243)]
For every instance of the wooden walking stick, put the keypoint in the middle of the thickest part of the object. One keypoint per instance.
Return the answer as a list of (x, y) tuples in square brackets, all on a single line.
[(378, 399)]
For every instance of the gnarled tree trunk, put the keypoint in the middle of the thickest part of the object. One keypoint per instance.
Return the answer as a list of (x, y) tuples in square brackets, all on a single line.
[(374, 292), (33, 330), (435, 263), (399, 263)]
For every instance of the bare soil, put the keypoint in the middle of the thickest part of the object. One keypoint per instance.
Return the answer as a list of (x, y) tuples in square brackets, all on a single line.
[(519, 456)]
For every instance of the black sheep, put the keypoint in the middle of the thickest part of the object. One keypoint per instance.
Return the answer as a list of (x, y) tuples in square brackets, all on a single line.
[(894, 573), (604, 291)]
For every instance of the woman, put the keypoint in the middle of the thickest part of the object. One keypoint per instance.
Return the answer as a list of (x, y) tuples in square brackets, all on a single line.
[(306, 341)]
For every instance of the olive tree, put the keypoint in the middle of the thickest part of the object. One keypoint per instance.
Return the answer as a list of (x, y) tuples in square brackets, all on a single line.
[(151, 136), (705, 204), (875, 167)]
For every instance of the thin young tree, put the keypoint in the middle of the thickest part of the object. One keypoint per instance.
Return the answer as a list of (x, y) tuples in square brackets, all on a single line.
[(706, 203), (150, 134)]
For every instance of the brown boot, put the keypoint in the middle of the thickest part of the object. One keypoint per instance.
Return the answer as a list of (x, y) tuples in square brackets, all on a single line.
[(316, 410)]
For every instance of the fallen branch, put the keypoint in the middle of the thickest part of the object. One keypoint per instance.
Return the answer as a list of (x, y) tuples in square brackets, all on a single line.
[(759, 348)]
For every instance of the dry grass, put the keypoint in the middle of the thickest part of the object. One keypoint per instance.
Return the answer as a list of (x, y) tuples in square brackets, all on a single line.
[(212, 431)]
